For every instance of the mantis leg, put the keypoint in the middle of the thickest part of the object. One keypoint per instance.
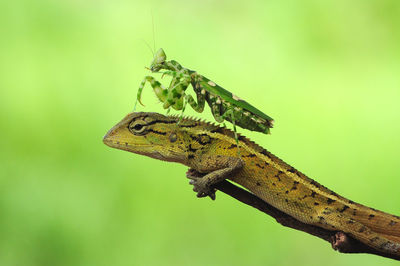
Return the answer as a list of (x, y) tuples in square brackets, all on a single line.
[(229, 113), (201, 99), (216, 111), (160, 91), (171, 100), (222, 117), (175, 74), (176, 93), (198, 107)]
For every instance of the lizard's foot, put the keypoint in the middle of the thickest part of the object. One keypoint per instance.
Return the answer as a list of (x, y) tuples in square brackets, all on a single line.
[(199, 185)]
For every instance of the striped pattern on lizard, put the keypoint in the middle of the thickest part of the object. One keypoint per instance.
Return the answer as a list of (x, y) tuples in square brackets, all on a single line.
[(212, 151)]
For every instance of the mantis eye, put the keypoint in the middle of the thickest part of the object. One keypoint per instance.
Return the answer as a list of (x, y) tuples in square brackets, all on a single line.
[(137, 127)]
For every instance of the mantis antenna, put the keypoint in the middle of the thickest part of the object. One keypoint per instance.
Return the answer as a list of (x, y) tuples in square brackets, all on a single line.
[(154, 38), (153, 50), (148, 46)]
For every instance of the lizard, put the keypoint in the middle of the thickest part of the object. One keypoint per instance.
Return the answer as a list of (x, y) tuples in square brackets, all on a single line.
[(210, 152)]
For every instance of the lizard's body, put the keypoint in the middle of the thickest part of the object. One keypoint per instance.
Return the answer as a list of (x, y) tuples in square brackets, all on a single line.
[(212, 151)]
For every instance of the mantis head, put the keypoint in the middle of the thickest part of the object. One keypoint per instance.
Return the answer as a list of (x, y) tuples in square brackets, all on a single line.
[(158, 60)]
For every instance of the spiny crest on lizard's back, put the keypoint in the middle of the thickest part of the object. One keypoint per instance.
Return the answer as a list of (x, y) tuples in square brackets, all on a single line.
[(196, 123), (190, 122)]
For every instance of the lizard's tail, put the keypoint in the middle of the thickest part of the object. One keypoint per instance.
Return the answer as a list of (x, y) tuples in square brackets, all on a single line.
[(379, 222), (375, 228), (386, 243)]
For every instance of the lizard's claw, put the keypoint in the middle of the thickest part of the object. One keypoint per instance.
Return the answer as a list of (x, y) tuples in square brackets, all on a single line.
[(199, 184)]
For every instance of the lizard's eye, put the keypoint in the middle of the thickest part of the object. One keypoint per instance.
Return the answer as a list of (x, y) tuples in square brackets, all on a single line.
[(137, 127)]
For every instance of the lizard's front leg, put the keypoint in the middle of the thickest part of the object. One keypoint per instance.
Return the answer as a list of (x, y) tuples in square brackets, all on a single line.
[(216, 168)]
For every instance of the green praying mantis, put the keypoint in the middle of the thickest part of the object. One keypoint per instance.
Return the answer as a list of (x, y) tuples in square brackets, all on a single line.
[(224, 105)]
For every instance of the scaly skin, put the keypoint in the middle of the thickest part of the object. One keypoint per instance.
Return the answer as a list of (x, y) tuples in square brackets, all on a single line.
[(212, 151)]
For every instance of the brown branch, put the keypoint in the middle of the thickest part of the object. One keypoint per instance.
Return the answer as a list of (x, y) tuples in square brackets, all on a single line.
[(340, 241)]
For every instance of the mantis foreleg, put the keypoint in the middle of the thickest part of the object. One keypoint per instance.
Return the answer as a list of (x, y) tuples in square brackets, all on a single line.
[(176, 91), (175, 74), (160, 91)]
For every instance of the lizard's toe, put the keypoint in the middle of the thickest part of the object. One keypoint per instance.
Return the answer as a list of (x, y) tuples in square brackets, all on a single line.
[(199, 184), (212, 195), (201, 195)]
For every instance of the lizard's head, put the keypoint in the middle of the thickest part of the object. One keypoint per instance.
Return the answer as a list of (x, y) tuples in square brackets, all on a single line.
[(150, 134), (158, 60)]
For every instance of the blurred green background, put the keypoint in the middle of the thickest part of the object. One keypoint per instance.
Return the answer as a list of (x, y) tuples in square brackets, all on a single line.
[(327, 71)]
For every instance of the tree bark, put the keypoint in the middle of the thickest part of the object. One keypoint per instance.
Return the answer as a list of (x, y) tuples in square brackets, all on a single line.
[(339, 240)]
